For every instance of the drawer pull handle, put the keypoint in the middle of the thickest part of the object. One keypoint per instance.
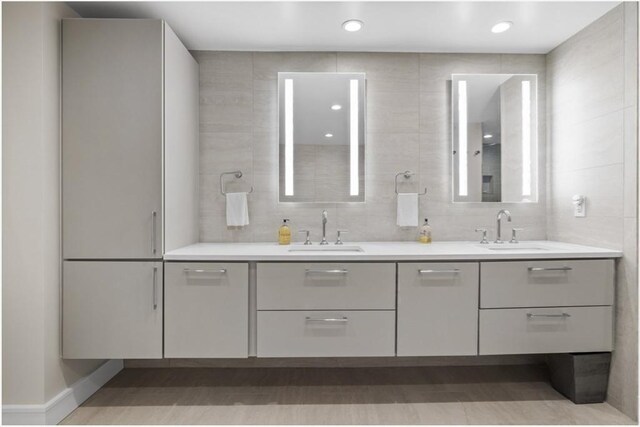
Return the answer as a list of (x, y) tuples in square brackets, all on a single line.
[(155, 288), (153, 232), (550, 268), (451, 271), (190, 270), (562, 315), (327, 319), (318, 271), (198, 270)]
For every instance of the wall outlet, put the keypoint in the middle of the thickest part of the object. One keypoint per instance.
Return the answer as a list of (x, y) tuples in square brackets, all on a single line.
[(579, 206)]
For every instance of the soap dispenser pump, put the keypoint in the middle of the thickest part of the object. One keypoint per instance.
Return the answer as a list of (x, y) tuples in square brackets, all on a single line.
[(425, 232), (284, 233)]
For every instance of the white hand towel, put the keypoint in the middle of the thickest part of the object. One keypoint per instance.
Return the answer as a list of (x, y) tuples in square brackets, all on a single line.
[(407, 210), (237, 210)]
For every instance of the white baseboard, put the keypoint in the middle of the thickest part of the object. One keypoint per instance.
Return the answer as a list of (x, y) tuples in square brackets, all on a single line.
[(56, 409)]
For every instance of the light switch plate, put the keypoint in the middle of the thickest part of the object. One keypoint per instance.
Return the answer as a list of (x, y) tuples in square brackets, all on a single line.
[(579, 206)]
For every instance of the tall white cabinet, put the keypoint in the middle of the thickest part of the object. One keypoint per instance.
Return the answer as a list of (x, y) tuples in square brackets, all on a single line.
[(129, 126)]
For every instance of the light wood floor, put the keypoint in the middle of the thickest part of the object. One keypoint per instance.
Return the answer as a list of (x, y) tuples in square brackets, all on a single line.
[(400, 395)]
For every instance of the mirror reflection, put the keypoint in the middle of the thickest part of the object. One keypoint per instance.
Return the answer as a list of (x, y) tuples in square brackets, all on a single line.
[(494, 138), (321, 137)]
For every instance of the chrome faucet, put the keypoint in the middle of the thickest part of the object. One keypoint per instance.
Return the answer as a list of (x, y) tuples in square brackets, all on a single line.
[(498, 224), (324, 228)]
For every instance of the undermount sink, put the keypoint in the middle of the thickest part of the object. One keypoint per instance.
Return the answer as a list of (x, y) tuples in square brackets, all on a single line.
[(513, 247), (326, 248)]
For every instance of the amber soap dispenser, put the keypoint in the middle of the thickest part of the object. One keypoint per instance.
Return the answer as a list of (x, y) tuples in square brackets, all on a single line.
[(284, 233)]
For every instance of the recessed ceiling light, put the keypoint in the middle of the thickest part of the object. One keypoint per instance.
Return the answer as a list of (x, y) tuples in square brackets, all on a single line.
[(352, 25), (501, 27), (328, 135), (488, 136), (336, 107)]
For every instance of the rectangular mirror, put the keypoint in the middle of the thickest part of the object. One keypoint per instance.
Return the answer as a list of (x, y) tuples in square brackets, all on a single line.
[(321, 137), (495, 138)]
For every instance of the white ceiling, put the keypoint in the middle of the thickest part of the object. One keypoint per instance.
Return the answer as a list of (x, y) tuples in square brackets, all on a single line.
[(388, 26)]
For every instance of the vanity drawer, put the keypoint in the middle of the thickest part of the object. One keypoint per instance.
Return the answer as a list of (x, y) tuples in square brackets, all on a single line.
[(546, 283), (206, 308), (326, 286), (326, 333), (546, 330)]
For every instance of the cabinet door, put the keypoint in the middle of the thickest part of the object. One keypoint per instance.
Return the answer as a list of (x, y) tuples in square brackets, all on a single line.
[(206, 310), (112, 310), (437, 309), (112, 138)]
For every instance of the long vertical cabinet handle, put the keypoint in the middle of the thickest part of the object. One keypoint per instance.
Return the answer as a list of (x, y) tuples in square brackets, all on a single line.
[(153, 232), (155, 288)]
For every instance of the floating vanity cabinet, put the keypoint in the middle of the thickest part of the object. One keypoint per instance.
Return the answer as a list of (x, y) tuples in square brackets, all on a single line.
[(129, 179), (112, 310), (206, 310), (546, 306), (326, 309), (437, 309)]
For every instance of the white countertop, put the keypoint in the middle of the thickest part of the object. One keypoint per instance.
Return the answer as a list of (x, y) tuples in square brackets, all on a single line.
[(387, 251)]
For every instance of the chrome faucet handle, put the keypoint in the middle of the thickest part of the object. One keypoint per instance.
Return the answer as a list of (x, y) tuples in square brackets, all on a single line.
[(514, 237), (308, 240), (339, 241), (484, 240)]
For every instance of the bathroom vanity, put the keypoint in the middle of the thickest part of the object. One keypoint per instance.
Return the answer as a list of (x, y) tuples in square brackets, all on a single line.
[(364, 299)]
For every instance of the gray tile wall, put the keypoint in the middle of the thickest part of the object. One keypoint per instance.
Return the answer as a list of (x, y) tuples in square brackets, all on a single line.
[(593, 92), (408, 127)]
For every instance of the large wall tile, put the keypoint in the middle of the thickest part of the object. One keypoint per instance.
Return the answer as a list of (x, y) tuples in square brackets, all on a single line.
[(601, 185), (225, 111), (599, 231), (596, 142), (435, 113), (386, 72), (601, 92), (265, 153), (225, 71), (393, 112), (267, 65), (221, 152), (436, 68), (630, 53), (595, 46), (523, 64), (265, 111), (387, 154), (631, 162)]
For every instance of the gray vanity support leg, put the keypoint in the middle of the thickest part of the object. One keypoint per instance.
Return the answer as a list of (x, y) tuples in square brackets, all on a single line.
[(581, 377)]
